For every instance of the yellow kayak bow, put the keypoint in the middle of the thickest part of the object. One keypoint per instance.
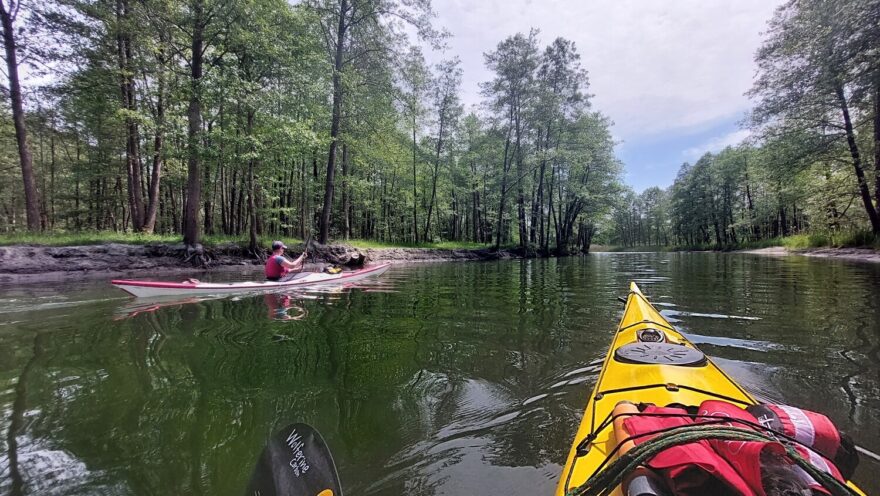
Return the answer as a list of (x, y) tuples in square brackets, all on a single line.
[(648, 362)]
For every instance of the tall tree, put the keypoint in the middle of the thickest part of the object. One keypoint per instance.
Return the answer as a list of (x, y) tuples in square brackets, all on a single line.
[(354, 29), (513, 62), (206, 23), (414, 81), (561, 83), (124, 27), (804, 82), (447, 108), (9, 10)]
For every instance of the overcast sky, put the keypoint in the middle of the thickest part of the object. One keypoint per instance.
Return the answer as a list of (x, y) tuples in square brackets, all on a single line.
[(670, 73)]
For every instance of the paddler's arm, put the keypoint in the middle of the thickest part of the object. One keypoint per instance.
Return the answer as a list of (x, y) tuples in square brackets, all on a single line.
[(296, 264)]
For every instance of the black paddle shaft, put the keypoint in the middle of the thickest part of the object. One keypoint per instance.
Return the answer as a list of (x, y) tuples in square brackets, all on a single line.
[(295, 462)]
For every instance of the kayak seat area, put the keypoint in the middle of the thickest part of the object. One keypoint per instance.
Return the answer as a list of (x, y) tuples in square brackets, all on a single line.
[(660, 354)]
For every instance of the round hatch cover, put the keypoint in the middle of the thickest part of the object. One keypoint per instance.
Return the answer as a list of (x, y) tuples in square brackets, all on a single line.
[(659, 353)]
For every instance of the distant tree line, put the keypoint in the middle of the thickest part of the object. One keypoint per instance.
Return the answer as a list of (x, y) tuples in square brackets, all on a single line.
[(259, 118), (813, 164)]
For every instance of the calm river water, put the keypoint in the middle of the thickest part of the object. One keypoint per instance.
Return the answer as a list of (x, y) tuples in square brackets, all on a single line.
[(466, 378)]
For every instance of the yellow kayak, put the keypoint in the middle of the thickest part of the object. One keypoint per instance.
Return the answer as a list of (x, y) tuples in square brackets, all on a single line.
[(648, 362)]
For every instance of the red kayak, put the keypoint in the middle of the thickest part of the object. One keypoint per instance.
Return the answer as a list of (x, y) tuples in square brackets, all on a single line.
[(146, 289)]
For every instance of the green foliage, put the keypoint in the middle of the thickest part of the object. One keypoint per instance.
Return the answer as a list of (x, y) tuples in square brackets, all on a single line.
[(442, 245), (805, 177), (745, 197), (60, 238), (410, 167)]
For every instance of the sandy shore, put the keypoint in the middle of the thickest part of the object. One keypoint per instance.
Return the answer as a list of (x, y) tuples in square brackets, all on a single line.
[(858, 254)]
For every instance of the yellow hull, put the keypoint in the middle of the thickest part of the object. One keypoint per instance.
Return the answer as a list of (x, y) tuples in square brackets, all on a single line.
[(660, 384)]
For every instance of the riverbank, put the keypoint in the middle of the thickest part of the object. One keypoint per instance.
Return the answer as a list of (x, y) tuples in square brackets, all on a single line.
[(857, 254), (843, 253), (858, 245), (24, 263)]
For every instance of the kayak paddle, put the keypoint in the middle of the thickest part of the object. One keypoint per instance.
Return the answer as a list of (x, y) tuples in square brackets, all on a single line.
[(308, 243), (295, 462)]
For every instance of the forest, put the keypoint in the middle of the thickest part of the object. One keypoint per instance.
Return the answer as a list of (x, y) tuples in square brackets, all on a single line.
[(812, 163), (260, 119), (256, 119)]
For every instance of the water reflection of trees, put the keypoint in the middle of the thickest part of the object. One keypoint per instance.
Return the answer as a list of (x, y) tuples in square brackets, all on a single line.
[(461, 372), (16, 418)]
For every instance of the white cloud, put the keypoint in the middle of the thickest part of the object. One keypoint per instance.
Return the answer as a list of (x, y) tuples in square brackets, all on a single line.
[(716, 144), (655, 66)]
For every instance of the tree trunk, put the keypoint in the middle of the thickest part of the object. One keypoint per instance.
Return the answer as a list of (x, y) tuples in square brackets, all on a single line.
[(253, 241), (31, 197), (194, 130), (877, 139), (334, 125), (455, 217), (500, 221), (126, 89), (756, 234), (303, 198), (520, 194), (51, 194), (415, 193), (76, 220), (208, 208), (477, 235), (346, 198), (153, 204), (439, 147), (550, 218), (540, 204), (857, 163)]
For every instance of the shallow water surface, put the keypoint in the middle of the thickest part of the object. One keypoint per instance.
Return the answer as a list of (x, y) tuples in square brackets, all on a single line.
[(452, 378)]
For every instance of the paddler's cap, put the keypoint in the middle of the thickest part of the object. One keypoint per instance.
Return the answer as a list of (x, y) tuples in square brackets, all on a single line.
[(277, 245)]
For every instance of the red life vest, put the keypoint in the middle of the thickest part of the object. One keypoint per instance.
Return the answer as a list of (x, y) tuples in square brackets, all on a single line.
[(810, 428), (274, 269), (734, 467), (689, 469), (814, 430), (743, 456)]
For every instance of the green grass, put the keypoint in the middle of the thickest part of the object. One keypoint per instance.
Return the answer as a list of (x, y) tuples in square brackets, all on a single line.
[(802, 241), (850, 239)]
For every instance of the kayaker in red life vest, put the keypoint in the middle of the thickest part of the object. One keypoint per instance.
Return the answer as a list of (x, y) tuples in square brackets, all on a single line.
[(277, 266)]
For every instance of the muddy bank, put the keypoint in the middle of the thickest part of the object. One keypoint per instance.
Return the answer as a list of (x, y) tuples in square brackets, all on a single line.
[(24, 263), (858, 254)]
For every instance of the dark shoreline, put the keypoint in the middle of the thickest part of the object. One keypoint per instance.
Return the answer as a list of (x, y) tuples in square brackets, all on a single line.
[(32, 263)]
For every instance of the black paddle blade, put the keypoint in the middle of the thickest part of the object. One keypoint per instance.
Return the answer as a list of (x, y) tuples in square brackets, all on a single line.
[(295, 462)]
